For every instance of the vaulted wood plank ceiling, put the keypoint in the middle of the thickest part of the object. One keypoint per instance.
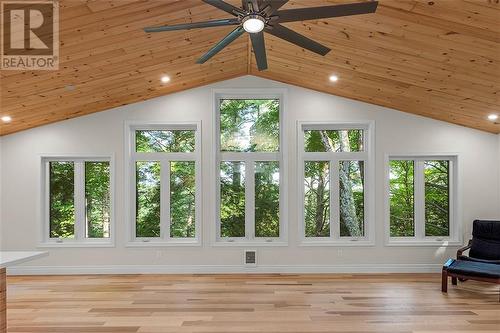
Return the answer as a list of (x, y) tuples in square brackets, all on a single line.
[(439, 59)]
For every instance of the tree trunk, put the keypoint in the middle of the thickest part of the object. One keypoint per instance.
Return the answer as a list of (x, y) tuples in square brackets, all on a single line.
[(347, 206), (319, 217)]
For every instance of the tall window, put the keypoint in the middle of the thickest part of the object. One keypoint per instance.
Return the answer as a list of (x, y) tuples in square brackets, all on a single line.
[(421, 198), (77, 200), (334, 162), (249, 169), (165, 168)]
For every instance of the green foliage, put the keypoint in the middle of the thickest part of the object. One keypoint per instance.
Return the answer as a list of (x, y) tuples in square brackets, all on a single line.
[(148, 199), (401, 188), (97, 194), (313, 140), (351, 181), (402, 202), (161, 141), (267, 199), (249, 125), (61, 196), (317, 199), (232, 193), (437, 198), (182, 199)]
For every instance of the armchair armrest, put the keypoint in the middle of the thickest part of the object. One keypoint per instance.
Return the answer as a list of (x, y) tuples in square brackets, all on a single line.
[(461, 250)]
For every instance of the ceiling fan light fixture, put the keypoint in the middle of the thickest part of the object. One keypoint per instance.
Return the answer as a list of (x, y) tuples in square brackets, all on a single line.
[(253, 24)]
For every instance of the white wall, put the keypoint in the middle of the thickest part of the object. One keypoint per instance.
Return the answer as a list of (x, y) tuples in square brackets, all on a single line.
[(101, 133)]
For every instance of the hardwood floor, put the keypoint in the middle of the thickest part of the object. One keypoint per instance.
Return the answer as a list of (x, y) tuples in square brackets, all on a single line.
[(250, 303)]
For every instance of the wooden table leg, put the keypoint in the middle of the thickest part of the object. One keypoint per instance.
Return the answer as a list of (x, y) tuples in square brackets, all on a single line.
[(3, 301)]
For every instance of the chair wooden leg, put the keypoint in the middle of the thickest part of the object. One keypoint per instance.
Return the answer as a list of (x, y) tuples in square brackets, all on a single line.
[(454, 281), (444, 281)]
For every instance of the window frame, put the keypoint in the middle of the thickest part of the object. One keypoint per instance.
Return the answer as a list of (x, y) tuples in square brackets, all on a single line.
[(79, 200), (164, 159), (250, 158), (419, 239), (367, 155)]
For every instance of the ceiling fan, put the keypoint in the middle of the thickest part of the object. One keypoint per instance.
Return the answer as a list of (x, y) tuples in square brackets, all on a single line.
[(257, 16)]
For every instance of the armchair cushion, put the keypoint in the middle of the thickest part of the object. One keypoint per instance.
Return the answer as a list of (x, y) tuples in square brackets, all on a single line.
[(486, 230), (474, 269), (485, 240)]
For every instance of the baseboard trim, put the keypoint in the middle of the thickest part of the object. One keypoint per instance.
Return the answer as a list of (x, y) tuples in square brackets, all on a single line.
[(222, 269)]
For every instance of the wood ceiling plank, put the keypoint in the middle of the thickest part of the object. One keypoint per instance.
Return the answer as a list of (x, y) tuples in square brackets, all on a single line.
[(440, 61), (460, 88), (426, 110), (81, 106), (92, 67), (107, 86), (454, 11), (459, 27)]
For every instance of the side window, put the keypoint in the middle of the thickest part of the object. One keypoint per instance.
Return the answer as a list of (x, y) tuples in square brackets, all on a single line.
[(421, 194), (78, 200), (165, 201)]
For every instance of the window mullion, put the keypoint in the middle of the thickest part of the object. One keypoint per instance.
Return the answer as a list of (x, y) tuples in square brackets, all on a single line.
[(79, 195), (47, 231), (334, 199), (419, 200), (165, 199), (250, 199)]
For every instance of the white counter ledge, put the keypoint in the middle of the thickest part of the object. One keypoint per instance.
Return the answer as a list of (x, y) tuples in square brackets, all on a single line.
[(12, 258), (7, 259)]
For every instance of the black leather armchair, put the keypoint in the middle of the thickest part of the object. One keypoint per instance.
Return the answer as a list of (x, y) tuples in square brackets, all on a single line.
[(483, 261), (485, 243)]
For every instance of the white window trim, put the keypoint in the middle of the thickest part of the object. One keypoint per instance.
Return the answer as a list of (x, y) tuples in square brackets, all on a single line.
[(250, 158), (367, 156), (79, 241), (131, 156), (455, 238)]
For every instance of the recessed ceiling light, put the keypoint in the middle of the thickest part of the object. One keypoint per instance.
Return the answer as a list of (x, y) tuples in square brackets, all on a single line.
[(6, 119), (493, 117), (334, 78), (165, 79)]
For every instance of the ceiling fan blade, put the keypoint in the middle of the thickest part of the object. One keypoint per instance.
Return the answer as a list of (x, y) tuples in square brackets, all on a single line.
[(187, 26), (303, 14), (225, 7), (254, 5), (222, 44), (295, 38), (272, 5), (259, 48)]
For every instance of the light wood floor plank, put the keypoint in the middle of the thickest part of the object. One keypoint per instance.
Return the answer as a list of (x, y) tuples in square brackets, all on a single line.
[(336, 303)]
